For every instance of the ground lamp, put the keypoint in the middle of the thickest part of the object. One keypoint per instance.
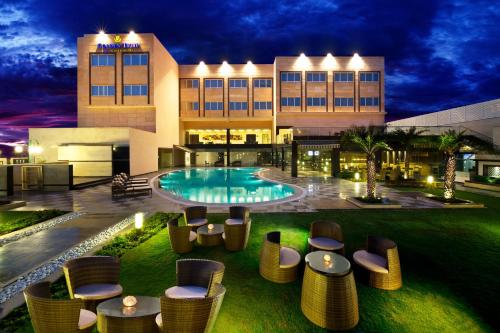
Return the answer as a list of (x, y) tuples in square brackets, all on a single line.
[(139, 220)]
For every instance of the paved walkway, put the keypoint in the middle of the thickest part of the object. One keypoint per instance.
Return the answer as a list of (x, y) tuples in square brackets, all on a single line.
[(28, 253)]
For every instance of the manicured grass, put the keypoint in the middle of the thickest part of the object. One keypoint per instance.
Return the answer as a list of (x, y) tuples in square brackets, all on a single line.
[(14, 220), (449, 259)]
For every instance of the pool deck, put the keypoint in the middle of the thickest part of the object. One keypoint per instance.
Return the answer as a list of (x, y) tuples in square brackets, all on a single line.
[(320, 193)]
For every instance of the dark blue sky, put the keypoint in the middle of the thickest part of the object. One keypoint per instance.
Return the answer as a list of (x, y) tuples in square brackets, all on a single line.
[(439, 54)]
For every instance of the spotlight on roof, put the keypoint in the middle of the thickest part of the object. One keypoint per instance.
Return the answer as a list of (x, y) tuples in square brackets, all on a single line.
[(101, 32), (224, 62), (329, 55), (356, 55), (302, 54), (202, 63), (249, 62), (356, 61), (132, 32)]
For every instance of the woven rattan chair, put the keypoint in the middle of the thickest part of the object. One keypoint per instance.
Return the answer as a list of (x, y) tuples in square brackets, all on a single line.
[(93, 279), (56, 316), (196, 278), (327, 236), (181, 237), (380, 261), (196, 216), (330, 301), (196, 315), (278, 263), (237, 228)]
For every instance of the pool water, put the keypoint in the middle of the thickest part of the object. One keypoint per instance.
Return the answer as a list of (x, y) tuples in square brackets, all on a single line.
[(223, 186)]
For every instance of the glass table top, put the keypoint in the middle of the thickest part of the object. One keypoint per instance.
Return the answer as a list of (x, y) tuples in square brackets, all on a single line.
[(146, 306), (338, 265), (218, 229)]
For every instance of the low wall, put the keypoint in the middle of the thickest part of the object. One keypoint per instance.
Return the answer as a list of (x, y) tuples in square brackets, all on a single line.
[(55, 177)]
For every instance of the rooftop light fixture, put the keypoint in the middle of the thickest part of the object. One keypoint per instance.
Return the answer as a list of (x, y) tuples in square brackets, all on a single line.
[(202, 69), (250, 68), (101, 32), (329, 62), (225, 69), (356, 62), (102, 37), (302, 62)]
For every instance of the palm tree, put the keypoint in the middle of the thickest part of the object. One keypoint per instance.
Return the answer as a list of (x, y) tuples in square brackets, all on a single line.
[(450, 143), (369, 140), (405, 140)]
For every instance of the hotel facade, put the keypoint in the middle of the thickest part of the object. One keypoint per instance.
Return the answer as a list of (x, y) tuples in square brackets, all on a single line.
[(139, 110)]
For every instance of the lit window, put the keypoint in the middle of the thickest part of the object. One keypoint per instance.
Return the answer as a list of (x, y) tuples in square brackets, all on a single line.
[(262, 83), (290, 77), (214, 106), (369, 77), (316, 77), (213, 83), (102, 60), (135, 90), (237, 83), (344, 77), (103, 90), (238, 106), (316, 101), (263, 105), (344, 101), (190, 83), (290, 101), (136, 59)]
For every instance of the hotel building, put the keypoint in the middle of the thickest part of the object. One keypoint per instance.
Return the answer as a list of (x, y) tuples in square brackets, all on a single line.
[(139, 110)]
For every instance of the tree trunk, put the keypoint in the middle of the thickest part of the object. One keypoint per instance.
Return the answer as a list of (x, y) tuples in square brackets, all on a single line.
[(407, 165), (370, 178), (449, 177)]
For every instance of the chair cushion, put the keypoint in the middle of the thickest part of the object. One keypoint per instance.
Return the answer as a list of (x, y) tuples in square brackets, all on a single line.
[(371, 262), (197, 222), (87, 319), (159, 321), (325, 243), (234, 221), (186, 292), (288, 257), (98, 291), (192, 236)]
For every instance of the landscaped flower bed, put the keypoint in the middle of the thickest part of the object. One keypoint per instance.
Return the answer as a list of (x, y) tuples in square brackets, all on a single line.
[(15, 220)]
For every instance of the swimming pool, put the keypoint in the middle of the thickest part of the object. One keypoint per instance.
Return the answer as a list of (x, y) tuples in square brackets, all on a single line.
[(223, 186)]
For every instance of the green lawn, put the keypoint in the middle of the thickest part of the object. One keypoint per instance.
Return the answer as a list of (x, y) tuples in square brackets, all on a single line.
[(14, 220), (449, 260)]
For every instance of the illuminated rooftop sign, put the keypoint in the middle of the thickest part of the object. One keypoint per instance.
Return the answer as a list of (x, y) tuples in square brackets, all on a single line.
[(117, 45)]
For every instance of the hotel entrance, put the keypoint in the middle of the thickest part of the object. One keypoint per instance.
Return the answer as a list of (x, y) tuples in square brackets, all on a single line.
[(314, 159)]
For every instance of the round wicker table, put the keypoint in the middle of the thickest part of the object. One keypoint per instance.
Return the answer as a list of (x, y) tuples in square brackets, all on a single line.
[(114, 317), (329, 297), (210, 237)]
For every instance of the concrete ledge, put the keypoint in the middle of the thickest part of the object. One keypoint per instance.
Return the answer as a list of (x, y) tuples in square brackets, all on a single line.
[(482, 186), (11, 205), (467, 204), (360, 204)]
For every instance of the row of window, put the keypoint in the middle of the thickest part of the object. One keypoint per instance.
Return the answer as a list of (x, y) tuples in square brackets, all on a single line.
[(136, 59), (128, 90), (290, 101), (339, 77), (214, 106), (213, 83), (262, 83), (316, 101), (217, 106), (238, 105), (233, 83), (368, 101), (236, 83), (321, 101), (316, 77), (263, 105), (190, 83)]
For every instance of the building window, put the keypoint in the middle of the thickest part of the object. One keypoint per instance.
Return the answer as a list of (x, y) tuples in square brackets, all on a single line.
[(344, 77), (194, 106), (369, 77), (344, 101), (103, 90), (316, 77), (290, 101), (368, 101), (213, 83), (316, 101), (136, 59), (214, 106), (290, 77), (102, 60), (238, 106), (190, 83), (135, 90), (263, 105), (237, 83), (262, 83)]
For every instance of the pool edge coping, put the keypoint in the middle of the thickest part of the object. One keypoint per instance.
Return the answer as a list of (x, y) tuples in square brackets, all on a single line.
[(299, 193)]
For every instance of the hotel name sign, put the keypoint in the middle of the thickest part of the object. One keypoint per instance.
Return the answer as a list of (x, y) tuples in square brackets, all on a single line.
[(118, 45)]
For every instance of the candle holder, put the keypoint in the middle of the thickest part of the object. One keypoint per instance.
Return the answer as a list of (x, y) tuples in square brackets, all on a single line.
[(129, 301), (210, 227)]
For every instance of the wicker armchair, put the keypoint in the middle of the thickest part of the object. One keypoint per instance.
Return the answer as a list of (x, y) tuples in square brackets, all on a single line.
[(196, 216), (196, 278), (196, 315), (237, 228), (278, 263), (56, 316), (380, 261), (181, 237), (327, 236), (93, 279)]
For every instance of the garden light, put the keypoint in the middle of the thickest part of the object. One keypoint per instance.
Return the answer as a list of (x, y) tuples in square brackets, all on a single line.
[(139, 220), (356, 176), (430, 179)]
